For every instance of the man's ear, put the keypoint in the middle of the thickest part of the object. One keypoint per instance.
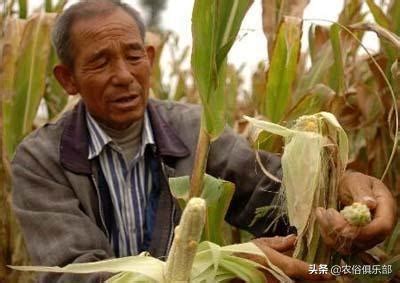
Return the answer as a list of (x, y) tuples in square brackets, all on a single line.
[(150, 50), (65, 77)]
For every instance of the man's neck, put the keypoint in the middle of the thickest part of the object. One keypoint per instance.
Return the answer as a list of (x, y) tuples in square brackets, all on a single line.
[(128, 139)]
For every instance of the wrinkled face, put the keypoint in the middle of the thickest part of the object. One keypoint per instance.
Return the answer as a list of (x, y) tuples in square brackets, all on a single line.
[(111, 68)]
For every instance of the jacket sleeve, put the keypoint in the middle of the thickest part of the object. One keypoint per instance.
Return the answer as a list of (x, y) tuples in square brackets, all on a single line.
[(232, 159), (55, 228)]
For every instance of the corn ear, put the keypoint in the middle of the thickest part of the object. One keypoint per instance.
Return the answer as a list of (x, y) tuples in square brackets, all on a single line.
[(314, 159), (184, 247)]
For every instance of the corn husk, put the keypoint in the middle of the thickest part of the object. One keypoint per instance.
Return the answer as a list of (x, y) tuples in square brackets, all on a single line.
[(313, 161), (187, 261)]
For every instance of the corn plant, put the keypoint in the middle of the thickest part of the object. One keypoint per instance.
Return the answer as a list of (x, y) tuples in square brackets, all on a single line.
[(361, 90), (26, 62)]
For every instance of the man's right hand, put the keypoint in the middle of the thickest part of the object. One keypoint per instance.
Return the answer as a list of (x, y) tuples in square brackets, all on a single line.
[(275, 248)]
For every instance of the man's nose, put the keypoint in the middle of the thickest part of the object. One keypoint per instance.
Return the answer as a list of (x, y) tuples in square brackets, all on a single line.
[(122, 74)]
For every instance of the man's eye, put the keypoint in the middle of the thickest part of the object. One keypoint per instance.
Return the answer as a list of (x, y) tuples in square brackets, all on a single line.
[(100, 63), (134, 58)]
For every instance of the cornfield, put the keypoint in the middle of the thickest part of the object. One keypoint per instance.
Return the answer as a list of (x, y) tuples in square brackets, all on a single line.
[(360, 89)]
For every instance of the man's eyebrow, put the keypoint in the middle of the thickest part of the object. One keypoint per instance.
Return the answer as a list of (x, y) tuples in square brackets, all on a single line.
[(134, 46), (97, 55)]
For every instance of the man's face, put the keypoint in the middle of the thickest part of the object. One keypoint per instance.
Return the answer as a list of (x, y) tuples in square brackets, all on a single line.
[(111, 69)]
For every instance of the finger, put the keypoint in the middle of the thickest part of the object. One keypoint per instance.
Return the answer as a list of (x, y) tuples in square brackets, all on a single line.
[(384, 217), (281, 244), (357, 187), (294, 268), (325, 228), (336, 231)]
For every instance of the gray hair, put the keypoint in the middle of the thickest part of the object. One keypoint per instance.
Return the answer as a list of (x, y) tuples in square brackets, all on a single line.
[(61, 37)]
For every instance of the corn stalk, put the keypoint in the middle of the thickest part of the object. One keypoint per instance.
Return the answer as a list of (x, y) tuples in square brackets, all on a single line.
[(216, 22)]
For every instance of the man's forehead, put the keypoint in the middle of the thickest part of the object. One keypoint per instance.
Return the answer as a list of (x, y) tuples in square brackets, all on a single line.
[(128, 45), (107, 23)]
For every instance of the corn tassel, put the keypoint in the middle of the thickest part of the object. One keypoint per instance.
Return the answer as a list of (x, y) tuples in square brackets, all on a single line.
[(184, 246)]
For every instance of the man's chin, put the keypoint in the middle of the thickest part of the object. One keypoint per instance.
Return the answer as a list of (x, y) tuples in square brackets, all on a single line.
[(122, 124)]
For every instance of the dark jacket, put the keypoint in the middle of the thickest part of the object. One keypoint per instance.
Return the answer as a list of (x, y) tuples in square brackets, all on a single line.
[(58, 200)]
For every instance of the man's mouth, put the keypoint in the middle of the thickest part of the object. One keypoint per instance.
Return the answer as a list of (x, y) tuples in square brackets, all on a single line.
[(126, 101)]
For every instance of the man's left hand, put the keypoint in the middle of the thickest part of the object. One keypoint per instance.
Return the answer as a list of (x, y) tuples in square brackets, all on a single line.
[(346, 238)]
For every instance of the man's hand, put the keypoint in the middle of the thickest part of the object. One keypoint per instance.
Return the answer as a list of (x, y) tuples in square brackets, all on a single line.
[(274, 249), (345, 238)]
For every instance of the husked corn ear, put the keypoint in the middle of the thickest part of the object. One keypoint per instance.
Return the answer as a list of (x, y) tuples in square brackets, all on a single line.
[(184, 246), (357, 214)]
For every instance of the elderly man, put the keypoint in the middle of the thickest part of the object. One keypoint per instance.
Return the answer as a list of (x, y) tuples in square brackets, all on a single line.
[(93, 185)]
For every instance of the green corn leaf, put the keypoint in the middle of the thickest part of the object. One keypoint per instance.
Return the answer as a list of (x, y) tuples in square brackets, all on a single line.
[(217, 193), (29, 80), (48, 6), (314, 101), (23, 8), (60, 6), (282, 71), (378, 14), (394, 13), (215, 24), (337, 81), (319, 69), (273, 12), (179, 187)]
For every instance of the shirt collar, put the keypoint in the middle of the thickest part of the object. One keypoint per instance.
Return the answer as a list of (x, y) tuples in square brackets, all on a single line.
[(99, 139)]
